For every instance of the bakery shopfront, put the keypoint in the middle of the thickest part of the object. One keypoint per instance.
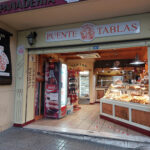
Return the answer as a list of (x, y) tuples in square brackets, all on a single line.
[(111, 56)]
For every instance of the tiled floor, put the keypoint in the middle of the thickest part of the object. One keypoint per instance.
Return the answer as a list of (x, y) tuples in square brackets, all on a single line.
[(87, 118)]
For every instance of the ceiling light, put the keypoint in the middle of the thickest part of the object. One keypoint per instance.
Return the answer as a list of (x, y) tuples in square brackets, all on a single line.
[(84, 72), (115, 68), (136, 61)]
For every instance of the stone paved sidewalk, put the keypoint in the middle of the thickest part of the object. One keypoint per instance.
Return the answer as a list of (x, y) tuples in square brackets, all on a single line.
[(24, 139)]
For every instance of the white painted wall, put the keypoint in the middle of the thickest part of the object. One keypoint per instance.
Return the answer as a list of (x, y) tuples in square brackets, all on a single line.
[(7, 91)]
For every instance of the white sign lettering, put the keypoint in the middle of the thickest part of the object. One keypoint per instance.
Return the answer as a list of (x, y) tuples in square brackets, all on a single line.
[(71, 1), (4, 74), (88, 32)]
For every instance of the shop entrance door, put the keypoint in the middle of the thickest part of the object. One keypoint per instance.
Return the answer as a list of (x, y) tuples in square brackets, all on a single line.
[(39, 102), (40, 87)]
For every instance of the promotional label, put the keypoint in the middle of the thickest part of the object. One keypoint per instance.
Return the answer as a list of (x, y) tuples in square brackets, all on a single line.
[(5, 59), (20, 50), (51, 90), (88, 32)]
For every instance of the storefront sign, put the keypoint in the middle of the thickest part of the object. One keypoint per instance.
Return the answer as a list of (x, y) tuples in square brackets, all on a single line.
[(5, 59), (88, 32), (79, 65), (13, 6), (72, 1)]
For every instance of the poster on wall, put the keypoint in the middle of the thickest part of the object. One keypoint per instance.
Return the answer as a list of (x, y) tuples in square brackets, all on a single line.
[(5, 58), (52, 90)]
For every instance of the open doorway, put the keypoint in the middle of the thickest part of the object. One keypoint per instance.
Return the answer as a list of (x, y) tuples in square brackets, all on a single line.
[(84, 91), (110, 67)]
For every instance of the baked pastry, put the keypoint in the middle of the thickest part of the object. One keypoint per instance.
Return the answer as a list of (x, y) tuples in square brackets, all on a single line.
[(134, 87)]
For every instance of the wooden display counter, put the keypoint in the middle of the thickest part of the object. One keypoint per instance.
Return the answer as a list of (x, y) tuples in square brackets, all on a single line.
[(131, 115)]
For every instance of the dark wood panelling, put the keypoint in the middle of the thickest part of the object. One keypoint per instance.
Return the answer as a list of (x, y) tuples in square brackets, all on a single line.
[(141, 117), (100, 94), (107, 108), (122, 112)]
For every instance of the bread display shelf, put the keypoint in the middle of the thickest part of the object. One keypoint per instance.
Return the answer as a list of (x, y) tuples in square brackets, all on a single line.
[(132, 114), (123, 92)]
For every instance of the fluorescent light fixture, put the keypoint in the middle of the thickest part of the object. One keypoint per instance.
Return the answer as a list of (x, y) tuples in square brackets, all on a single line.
[(115, 68), (84, 73), (92, 55), (137, 61)]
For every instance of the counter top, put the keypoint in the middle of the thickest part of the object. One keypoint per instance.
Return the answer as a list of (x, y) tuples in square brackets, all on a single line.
[(99, 88), (138, 106)]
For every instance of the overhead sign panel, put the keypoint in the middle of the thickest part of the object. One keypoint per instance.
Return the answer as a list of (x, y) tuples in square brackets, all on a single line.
[(88, 32)]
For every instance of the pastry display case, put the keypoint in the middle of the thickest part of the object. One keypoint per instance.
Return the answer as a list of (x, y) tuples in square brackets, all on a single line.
[(128, 105), (134, 93), (103, 81)]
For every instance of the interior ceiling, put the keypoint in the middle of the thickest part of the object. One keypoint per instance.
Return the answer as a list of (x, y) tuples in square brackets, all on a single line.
[(112, 54), (75, 12)]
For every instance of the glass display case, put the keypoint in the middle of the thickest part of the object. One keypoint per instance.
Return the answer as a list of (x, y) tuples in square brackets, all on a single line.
[(127, 104), (103, 81), (135, 93)]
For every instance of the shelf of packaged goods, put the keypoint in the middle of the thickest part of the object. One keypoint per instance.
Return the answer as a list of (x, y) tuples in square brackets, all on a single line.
[(104, 80), (132, 114), (105, 75)]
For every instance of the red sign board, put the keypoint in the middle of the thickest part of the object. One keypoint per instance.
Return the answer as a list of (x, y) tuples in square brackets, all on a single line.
[(13, 6)]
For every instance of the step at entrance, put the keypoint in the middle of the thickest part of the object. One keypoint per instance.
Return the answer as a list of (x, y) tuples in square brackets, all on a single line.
[(93, 136)]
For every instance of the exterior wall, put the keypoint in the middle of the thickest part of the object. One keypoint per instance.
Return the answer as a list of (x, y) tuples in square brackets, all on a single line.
[(7, 91), (21, 88), (41, 42), (20, 102)]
